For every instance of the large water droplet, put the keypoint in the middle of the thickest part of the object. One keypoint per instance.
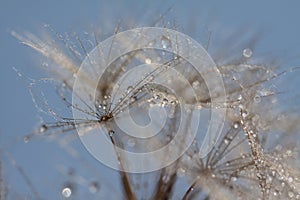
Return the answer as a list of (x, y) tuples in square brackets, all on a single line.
[(247, 53), (165, 42), (66, 192)]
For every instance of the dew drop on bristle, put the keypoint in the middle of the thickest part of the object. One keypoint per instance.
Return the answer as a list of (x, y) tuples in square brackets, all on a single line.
[(43, 128), (111, 133), (129, 89), (257, 99), (165, 42), (247, 53), (66, 192), (236, 125), (26, 139)]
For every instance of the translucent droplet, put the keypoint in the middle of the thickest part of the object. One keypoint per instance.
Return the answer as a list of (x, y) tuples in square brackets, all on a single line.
[(111, 133), (165, 101), (290, 179), (195, 84), (43, 128), (156, 96), (257, 99), (235, 125), (181, 172), (66, 192), (247, 53), (133, 99), (129, 89), (148, 61), (94, 187), (26, 139), (166, 178), (244, 114), (240, 97), (150, 78), (165, 42), (291, 194)]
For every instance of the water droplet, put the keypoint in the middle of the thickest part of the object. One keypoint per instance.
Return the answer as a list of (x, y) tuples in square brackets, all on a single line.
[(66, 192), (150, 78), (244, 114), (148, 61), (195, 84), (165, 101), (43, 128), (166, 178), (247, 53), (111, 133), (290, 179), (133, 99), (181, 172), (156, 96), (291, 194), (129, 89), (273, 173), (94, 187), (240, 97), (26, 139), (165, 42), (257, 99), (235, 125)]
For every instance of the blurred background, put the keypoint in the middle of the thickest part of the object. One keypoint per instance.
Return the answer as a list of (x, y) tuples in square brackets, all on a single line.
[(46, 167)]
